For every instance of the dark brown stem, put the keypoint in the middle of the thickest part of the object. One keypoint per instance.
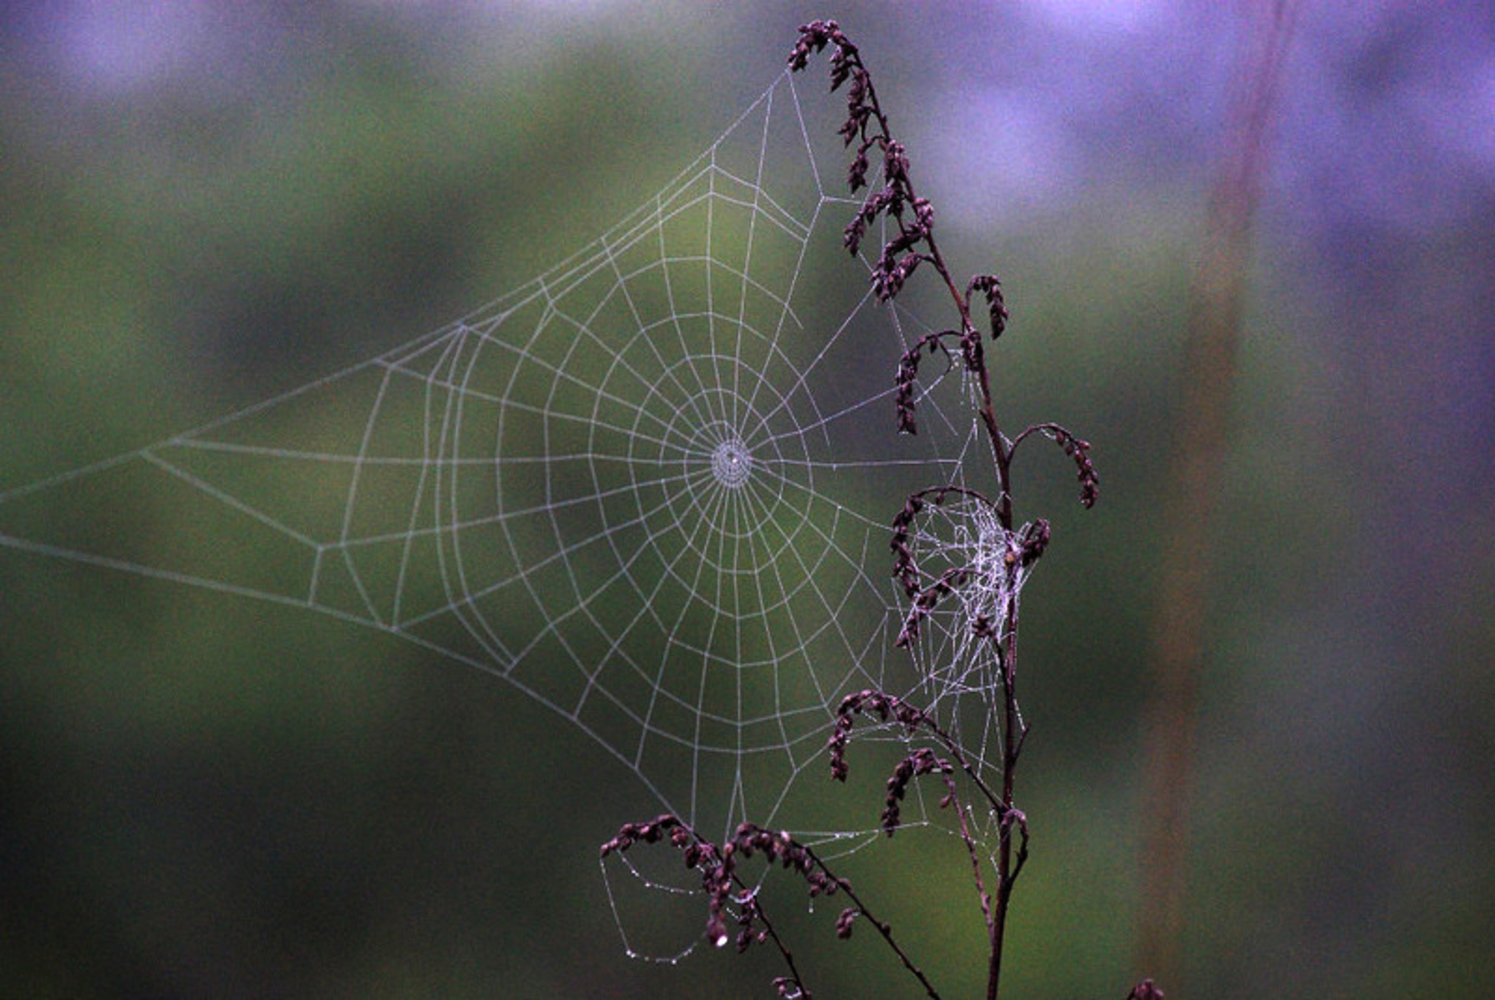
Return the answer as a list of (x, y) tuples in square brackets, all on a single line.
[(883, 928), (1011, 748), (1001, 450), (778, 942), (915, 245), (1002, 458), (975, 855)]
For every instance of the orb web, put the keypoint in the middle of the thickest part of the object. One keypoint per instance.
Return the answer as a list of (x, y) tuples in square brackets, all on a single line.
[(651, 488)]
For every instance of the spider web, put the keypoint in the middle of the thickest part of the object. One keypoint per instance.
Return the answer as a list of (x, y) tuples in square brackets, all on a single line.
[(651, 488)]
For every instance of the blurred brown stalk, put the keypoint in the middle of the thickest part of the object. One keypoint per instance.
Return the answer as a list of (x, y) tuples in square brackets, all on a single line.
[(1202, 432)]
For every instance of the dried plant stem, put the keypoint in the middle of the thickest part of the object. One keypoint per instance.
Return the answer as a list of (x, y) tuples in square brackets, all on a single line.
[(1011, 748), (914, 244), (883, 928), (1001, 448), (1004, 554)]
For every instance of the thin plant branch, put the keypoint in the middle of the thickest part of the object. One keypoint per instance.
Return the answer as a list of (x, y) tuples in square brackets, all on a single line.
[(1002, 553)]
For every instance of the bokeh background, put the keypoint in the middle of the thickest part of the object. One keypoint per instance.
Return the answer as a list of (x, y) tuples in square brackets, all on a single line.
[(205, 204)]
